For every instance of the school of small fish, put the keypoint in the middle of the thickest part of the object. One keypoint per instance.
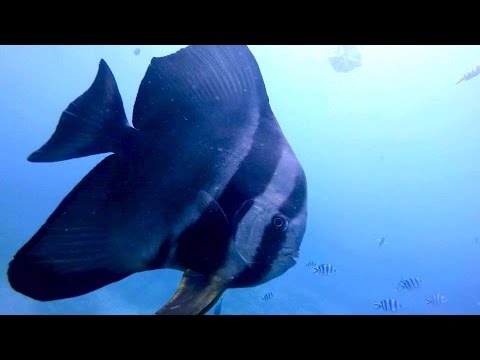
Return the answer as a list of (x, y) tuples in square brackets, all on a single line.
[(410, 284), (388, 304)]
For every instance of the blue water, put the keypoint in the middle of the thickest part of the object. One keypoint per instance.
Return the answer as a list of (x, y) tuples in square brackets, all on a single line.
[(390, 149)]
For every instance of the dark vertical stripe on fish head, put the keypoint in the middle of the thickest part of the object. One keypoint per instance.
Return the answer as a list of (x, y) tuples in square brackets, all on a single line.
[(280, 239), (203, 245)]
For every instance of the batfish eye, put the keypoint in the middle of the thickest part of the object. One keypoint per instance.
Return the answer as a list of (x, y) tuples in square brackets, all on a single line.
[(280, 222)]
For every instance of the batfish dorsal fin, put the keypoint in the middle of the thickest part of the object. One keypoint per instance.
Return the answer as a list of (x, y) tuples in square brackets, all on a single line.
[(196, 294), (199, 83)]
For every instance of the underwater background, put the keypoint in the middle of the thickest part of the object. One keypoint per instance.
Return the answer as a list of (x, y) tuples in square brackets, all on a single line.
[(391, 150)]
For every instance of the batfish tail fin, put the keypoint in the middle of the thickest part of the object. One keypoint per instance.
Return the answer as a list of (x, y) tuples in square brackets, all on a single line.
[(196, 294), (92, 124)]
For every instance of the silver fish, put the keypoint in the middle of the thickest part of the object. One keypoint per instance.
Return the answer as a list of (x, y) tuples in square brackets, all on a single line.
[(471, 74), (436, 299)]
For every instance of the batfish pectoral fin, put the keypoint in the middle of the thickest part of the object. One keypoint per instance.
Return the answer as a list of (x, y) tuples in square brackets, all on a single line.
[(196, 294)]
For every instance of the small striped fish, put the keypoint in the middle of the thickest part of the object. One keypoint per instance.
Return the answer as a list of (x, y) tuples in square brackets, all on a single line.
[(267, 296), (436, 299), (390, 305), (311, 264), (409, 284), (324, 269)]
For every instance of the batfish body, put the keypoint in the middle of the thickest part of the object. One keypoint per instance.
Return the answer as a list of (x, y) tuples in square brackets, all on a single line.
[(203, 182)]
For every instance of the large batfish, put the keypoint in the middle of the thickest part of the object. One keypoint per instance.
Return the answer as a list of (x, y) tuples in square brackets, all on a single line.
[(204, 182)]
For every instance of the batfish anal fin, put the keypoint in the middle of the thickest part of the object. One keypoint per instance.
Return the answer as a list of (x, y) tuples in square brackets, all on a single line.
[(72, 253), (195, 295)]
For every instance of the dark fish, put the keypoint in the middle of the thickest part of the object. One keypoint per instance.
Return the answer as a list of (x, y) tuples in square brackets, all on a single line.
[(311, 264), (324, 269), (381, 242), (267, 296), (204, 182), (136, 51), (390, 305), (471, 74), (218, 308), (436, 299), (409, 284)]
